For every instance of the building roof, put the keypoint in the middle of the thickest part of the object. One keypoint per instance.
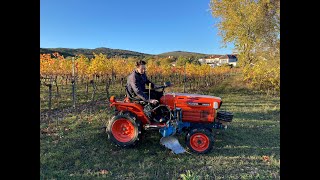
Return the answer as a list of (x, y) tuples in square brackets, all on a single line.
[(213, 56), (228, 56)]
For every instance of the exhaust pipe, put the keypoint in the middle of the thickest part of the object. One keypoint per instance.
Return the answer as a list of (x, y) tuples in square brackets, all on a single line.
[(154, 126)]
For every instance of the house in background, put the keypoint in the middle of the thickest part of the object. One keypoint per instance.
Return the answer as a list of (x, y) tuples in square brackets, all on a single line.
[(201, 60), (218, 60), (212, 59), (228, 59)]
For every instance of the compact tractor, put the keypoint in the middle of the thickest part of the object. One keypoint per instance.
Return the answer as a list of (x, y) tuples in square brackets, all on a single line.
[(175, 113)]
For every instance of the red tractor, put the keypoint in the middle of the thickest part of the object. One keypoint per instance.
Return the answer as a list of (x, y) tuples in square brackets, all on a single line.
[(175, 113)]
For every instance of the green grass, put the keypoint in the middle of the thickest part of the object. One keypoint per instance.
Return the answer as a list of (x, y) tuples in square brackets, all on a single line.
[(74, 147)]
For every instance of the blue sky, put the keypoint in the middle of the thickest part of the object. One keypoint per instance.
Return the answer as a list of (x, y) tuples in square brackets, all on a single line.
[(147, 26)]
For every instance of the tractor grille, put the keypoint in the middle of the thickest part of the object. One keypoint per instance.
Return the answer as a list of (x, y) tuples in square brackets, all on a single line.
[(197, 115), (224, 116)]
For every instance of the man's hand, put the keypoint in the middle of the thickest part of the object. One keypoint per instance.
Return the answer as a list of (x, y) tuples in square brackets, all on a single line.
[(156, 86), (153, 101)]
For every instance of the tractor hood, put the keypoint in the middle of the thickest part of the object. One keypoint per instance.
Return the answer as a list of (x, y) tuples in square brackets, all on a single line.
[(194, 95), (191, 100)]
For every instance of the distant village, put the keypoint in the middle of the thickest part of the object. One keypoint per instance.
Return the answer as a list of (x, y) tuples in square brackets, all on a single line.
[(218, 60)]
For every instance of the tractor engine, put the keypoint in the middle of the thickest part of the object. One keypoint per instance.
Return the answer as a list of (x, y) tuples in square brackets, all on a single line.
[(161, 113), (195, 108)]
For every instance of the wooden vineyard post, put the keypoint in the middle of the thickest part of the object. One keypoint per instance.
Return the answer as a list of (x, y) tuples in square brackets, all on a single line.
[(87, 86), (73, 85), (184, 79), (50, 96), (49, 103), (94, 91), (107, 87), (112, 76), (122, 79)]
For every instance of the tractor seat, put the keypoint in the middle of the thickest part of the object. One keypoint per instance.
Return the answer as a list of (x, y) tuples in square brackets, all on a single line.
[(129, 99)]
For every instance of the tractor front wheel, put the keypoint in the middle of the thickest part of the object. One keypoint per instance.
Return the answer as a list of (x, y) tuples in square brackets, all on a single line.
[(124, 130), (199, 141)]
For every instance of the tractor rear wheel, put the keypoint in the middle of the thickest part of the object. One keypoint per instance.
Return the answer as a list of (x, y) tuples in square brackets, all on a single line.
[(200, 141), (124, 130)]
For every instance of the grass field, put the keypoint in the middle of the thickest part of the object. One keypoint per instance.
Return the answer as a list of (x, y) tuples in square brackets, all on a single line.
[(72, 145)]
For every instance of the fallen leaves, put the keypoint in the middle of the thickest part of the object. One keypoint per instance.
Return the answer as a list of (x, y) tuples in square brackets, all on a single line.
[(91, 172), (103, 171), (266, 158)]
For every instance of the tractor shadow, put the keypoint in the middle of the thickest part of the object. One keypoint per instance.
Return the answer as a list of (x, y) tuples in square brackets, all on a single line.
[(248, 141), (254, 131), (271, 115)]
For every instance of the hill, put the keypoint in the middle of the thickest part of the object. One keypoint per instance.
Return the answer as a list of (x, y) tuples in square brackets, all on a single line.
[(118, 52), (89, 52), (182, 53)]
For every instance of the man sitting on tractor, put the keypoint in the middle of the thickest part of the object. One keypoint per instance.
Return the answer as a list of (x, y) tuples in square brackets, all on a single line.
[(136, 82)]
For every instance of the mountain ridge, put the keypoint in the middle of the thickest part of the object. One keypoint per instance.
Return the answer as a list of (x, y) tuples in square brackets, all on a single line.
[(109, 52)]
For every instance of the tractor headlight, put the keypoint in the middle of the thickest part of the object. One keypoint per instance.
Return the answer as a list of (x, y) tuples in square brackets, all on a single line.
[(215, 105), (112, 99)]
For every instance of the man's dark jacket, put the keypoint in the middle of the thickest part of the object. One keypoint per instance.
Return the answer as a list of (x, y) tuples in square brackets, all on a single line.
[(136, 85)]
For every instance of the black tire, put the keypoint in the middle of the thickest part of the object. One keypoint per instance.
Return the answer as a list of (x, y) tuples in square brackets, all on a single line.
[(204, 142), (135, 126)]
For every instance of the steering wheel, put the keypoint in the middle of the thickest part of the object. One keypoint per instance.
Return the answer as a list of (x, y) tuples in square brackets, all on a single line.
[(166, 84), (159, 87)]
